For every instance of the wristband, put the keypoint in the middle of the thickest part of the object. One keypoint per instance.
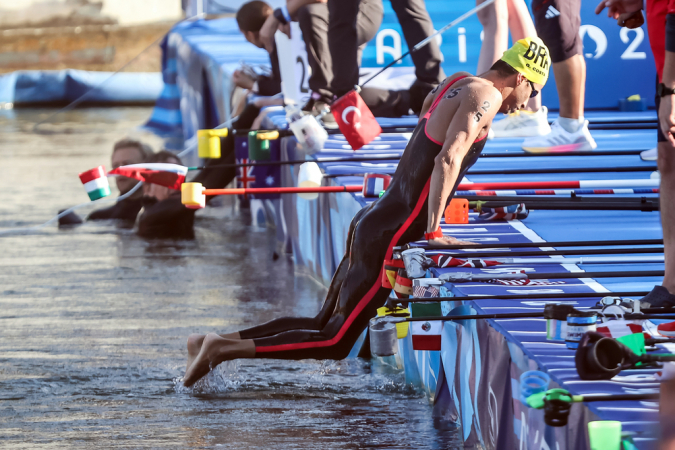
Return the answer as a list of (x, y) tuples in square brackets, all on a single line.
[(434, 234), (279, 15), (287, 15)]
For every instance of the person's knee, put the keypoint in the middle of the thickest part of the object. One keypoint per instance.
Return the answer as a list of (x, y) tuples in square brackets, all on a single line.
[(666, 160), (494, 16)]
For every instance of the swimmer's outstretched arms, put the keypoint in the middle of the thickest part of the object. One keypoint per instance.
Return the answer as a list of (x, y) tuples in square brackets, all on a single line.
[(447, 141)]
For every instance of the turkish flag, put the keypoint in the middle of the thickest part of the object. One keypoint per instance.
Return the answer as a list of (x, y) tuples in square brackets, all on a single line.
[(355, 120)]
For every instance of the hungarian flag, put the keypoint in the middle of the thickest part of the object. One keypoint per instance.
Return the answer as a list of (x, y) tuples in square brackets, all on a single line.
[(163, 174), (442, 260), (426, 335), (355, 120), (95, 183)]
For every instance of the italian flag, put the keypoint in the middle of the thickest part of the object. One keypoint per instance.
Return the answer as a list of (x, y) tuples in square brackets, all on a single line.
[(95, 183), (426, 335), (164, 174)]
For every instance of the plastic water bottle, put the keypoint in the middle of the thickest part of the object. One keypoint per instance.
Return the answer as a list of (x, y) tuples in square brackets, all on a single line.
[(307, 130)]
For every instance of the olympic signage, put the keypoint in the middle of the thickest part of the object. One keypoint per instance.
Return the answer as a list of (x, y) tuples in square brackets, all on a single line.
[(619, 61)]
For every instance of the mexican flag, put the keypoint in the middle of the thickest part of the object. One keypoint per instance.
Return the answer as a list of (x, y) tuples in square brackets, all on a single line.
[(426, 335), (95, 183), (164, 174)]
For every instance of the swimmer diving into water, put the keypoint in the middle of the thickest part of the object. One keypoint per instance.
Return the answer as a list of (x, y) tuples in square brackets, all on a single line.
[(447, 141)]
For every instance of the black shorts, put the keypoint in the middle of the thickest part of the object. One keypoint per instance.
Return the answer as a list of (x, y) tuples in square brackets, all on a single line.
[(659, 135), (557, 23)]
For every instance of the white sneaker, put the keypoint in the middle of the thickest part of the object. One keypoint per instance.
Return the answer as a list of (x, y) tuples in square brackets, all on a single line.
[(560, 140), (491, 134), (649, 155), (523, 124)]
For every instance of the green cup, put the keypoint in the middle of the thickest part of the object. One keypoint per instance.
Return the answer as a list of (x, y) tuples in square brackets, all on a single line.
[(605, 435), (258, 149)]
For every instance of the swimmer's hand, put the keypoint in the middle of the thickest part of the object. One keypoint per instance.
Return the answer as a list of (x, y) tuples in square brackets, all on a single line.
[(447, 241)]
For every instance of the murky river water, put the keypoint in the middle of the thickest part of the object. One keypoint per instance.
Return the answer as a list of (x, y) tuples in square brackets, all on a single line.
[(93, 323)]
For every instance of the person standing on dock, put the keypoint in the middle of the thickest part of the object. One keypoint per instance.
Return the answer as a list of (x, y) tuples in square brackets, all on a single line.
[(558, 23), (451, 133), (661, 26)]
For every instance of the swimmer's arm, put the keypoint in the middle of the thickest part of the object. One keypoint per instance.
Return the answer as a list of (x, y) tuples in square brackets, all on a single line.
[(475, 113)]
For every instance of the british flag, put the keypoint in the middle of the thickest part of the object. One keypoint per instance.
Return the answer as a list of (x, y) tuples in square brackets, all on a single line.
[(511, 212), (245, 178)]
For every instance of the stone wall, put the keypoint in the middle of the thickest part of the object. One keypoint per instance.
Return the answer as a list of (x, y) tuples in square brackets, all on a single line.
[(83, 34)]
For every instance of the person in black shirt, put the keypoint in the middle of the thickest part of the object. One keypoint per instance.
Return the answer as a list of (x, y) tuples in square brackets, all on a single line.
[(163, 215), (125, 152)]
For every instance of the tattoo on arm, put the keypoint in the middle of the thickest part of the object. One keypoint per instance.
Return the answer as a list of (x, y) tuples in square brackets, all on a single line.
[(437, 87), (485, 107), (453, 92)]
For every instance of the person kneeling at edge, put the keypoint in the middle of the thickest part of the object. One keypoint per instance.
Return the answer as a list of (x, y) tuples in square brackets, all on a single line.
[(447, 141), (125, 152)]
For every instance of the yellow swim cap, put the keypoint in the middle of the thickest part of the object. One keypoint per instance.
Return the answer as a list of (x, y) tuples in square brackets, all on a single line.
[(530, 57)]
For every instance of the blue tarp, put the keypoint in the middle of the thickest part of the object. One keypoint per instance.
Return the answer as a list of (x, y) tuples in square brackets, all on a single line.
[(27, 87)]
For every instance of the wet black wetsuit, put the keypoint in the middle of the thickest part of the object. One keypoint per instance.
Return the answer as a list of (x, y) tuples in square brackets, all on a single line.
[(355, 293)]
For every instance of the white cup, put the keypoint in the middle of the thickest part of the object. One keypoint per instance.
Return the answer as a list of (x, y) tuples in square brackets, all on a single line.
[(310, 176)]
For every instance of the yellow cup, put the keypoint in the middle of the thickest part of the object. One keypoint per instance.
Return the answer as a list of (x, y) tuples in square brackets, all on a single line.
[(208, 142), (192, 195), (402, 327)]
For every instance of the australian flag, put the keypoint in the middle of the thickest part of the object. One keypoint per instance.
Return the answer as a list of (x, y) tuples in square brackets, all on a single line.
[(257, 176)]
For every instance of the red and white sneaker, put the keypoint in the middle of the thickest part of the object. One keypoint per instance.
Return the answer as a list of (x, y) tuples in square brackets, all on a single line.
[(666, 329)]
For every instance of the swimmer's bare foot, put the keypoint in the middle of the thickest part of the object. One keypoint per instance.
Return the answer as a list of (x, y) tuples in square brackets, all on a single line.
[(194, 345), (449, 240), (214, 351)]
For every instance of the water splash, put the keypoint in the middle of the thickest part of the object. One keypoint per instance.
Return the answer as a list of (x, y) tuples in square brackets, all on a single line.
[(223, 378)]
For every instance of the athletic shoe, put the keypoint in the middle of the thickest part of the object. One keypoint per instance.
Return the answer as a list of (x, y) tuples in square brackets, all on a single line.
[(560, 140), (523, 124), (666, 329), (659, 297), (491, 134), (649, 155), (328, 120)]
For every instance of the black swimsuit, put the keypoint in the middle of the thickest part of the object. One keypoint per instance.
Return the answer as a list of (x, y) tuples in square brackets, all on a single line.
[(356, 292)]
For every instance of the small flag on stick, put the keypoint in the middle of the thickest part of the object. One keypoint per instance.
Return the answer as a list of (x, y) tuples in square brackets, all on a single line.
[(163, 174), (355, 120), (426, 335), (95, 183)]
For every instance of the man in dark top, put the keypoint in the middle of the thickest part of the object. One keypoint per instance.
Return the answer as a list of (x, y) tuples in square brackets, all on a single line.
[(250, 18), (125, 152), (163, 215), (312, 16)]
